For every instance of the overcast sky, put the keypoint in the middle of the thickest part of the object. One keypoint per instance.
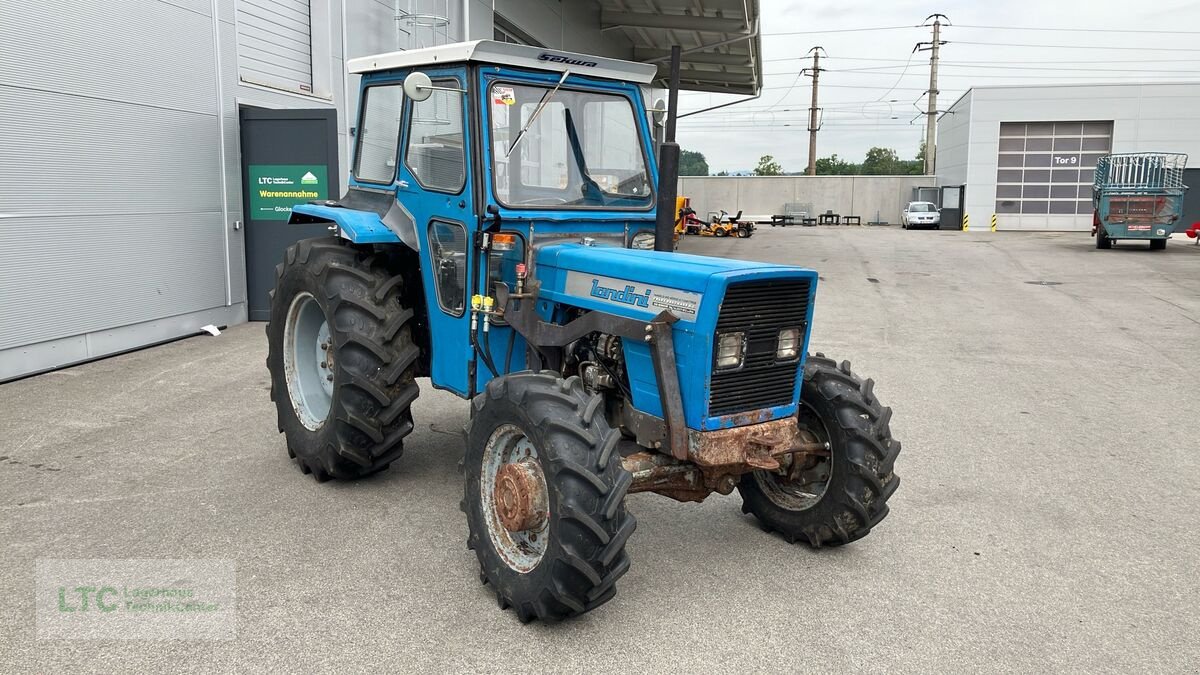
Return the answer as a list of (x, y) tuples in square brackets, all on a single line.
[(869, 89)]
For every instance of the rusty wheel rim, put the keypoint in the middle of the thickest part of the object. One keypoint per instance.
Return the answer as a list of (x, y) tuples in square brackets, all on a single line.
[(514, 499), (799, 487)]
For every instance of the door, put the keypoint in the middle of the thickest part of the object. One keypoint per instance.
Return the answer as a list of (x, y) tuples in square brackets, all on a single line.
[(288, 157), (435, 186), (950, 201)]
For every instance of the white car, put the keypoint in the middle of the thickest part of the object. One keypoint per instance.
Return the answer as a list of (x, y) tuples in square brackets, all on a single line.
[(921, 214)]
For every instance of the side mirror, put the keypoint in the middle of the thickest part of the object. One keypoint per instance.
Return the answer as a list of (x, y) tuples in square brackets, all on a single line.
[(659, 112), (418, 86)]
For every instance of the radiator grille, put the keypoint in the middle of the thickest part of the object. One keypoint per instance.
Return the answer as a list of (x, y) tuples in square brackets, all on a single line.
[(759, 309)]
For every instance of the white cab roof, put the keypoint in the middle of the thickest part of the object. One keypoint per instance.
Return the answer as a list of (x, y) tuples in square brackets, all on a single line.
[(503, 53)]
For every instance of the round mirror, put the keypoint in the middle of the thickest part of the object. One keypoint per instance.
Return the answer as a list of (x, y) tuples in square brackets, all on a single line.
[(660, 112), (418, 86)]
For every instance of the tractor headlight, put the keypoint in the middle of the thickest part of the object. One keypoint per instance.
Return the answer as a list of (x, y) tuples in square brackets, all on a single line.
[(643, 240), (731, 348), (789, 344)]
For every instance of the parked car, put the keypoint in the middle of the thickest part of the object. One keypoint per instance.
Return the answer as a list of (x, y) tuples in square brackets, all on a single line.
[(921, 214)]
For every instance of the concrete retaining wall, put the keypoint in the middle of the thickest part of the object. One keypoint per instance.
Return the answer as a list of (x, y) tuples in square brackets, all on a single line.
[(864, 196)]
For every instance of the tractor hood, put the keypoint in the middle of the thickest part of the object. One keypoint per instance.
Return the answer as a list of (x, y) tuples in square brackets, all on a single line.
[(640, 284), (634, 282)]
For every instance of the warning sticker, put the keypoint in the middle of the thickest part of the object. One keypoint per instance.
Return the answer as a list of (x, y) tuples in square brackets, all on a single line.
[(503, 95)]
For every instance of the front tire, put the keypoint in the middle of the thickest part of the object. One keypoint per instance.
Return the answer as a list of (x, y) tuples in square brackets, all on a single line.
[(341, 358), (1158, 244), (834, 500), (562, 555), (1102, 240)]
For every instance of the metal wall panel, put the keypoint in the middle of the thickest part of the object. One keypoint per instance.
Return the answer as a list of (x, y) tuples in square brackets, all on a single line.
[(62, 275), (145, 52), (275, 43), (111, 212)]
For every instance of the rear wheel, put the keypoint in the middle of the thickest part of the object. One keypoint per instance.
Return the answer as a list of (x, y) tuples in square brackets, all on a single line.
[(341, 358), (1158, 244), (545, 496), (1102, 240), (834, 499)]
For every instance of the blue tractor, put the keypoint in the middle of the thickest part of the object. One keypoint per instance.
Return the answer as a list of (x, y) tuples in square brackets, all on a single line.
[(502, 235)]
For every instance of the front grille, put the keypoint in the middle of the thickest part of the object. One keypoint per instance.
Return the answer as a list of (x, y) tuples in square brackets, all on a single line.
[(759, 309)]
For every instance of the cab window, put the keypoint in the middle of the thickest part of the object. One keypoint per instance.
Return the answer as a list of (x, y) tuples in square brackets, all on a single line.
[(435, 153), (379, 134)]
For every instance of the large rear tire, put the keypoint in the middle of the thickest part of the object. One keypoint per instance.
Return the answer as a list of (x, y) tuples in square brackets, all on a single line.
[(834, 500), (341, 358), (562, 558)]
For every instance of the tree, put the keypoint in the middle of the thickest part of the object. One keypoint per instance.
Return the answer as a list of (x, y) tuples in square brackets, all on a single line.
[(692, 163), (722, 172), (835, 166), (882, 162), (767, 166)]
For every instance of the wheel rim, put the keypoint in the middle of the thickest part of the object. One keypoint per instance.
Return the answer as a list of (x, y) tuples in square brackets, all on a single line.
[(514, 499), (308, 361), (799, 487)]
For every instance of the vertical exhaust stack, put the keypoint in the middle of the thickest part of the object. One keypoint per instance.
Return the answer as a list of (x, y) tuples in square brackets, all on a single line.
[(668, 167)]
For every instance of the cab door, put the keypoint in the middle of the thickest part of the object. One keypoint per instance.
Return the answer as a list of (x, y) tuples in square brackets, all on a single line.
[(435, 187)]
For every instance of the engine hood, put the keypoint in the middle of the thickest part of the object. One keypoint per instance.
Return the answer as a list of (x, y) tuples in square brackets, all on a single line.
[(635, 282)]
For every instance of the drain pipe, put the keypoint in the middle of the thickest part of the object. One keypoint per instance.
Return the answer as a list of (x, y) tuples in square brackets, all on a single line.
[(668, 167)]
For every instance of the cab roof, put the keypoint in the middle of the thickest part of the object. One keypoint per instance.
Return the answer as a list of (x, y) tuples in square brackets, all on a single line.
[(507, 54)]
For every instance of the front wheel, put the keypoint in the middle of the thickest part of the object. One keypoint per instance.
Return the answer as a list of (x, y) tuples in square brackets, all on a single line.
[(1102, 239), (834, 499), (545, 496), (1158, 244)]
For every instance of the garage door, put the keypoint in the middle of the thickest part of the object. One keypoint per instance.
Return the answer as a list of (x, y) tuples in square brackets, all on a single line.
[(1045, 168), (275, 43)]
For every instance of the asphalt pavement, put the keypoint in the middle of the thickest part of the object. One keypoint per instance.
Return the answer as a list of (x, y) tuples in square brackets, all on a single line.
[(1045, 393)]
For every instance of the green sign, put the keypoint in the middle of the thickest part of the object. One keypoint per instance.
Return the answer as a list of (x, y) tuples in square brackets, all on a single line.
[(275, 188)]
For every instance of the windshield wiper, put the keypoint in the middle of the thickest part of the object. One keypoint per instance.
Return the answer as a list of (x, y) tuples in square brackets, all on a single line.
[(537, 111)]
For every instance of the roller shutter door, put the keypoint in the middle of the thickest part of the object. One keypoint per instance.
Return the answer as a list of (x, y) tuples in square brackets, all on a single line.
[(275, 43)]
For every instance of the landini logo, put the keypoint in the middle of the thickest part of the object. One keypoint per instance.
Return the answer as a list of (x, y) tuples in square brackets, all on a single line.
[(629, 295)]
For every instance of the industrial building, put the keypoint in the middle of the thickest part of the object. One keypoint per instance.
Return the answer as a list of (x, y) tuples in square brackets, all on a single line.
[(1025, 154), (132, 132)]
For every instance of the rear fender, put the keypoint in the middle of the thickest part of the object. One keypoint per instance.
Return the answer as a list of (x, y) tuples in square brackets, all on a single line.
[(363, 217)]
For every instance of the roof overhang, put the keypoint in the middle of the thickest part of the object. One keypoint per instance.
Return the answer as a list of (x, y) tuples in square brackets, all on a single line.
[(722, 50), (507, 54)]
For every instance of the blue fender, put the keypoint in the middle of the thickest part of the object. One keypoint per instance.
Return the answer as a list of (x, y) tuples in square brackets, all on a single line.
[(360, 227)]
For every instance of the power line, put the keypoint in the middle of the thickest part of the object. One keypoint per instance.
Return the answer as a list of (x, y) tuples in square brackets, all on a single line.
[(1094, 61), (839, 30), (873, 70), (1082, 30), (1139, 49)]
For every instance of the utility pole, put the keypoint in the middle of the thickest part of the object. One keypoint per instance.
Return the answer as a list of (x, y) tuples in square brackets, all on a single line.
[(932, 111), (813, 111)]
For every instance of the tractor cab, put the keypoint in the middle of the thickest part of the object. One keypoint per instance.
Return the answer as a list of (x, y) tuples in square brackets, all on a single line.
[(500, 235), (534, 147)]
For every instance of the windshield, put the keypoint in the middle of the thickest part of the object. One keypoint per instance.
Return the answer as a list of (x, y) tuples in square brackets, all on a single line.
[(582, 150), (921, 207)]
